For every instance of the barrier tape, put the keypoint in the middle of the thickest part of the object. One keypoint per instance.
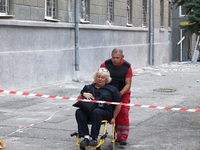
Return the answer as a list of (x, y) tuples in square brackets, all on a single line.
[(96, 101)]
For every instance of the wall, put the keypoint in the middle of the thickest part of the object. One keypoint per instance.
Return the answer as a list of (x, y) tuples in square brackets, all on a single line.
[(34, 52), (162, 46), (37, 53), (97, 42), (162, 36)]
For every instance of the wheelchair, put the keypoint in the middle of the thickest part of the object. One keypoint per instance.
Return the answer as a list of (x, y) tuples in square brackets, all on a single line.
[(102, 138)]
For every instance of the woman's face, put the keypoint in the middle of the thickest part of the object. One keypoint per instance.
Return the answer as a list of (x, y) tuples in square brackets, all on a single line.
[(100, 80)]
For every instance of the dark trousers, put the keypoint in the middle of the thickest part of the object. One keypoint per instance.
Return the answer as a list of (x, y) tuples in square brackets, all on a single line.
[(94, 118)]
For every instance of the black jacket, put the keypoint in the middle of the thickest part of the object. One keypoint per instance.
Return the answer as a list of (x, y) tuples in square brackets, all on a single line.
[(105, 93)]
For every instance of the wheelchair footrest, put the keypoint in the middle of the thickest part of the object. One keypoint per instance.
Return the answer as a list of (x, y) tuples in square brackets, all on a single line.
[(74, 134)]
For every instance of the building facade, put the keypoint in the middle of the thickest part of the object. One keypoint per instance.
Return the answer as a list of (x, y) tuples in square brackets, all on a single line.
[(183, 43), (38, 44)]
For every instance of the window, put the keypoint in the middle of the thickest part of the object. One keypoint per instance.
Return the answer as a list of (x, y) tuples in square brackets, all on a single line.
[(51, 9), (85, 11), (182, 11), (110, 10), (144, 13), (129, 12), (70, 10), (4, 7), (170, 14), (161, 13)]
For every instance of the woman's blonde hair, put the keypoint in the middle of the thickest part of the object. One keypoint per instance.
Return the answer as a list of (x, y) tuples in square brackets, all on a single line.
[(103, 71)]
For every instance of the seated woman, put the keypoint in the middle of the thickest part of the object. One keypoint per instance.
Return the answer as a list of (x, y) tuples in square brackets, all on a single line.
[(99, 90)]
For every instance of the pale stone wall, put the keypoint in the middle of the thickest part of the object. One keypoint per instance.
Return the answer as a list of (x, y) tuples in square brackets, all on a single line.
[(36, 52)]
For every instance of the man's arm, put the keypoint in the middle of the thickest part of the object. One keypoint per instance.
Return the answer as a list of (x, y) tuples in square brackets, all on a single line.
[(80, 96), (103, 65), (127, 86)]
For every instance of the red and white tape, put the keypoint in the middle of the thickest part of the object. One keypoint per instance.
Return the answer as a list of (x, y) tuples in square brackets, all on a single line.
[(96, 101)]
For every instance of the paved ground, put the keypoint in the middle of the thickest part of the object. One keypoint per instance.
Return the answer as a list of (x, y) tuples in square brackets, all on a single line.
[(34, 123)]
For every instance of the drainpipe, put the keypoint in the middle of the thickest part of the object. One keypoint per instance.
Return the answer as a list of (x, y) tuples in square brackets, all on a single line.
[(151, 32), (76, 15)]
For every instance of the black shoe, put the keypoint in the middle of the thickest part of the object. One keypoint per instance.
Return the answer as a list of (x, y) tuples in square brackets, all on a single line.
[(84, 143), (122, 142), (93, 142)]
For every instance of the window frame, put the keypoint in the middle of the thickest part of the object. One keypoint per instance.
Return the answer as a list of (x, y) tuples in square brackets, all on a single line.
[(170, 7), (85, 11), (162, 13), (144, 13), (181, 12), (53, 13), (70, 11), (110, 12), (5, 8), (129, 12)]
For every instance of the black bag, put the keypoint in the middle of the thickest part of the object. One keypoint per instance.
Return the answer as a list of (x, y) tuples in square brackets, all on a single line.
[(89, 106), (86, 106)]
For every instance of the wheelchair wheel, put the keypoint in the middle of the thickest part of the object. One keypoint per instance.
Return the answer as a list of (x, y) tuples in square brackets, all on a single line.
[(82, 148), (112, 147), (98, 148)]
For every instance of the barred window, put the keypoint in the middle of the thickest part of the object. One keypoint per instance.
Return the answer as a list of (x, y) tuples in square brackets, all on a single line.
[(144, 13), (70, 10), (129, 11), (110, 10), (170, 14), (85, 10), (161, 13), (4, 7), (51, 9)]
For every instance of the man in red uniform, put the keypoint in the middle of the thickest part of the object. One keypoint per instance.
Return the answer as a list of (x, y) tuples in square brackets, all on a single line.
[(121, 74)]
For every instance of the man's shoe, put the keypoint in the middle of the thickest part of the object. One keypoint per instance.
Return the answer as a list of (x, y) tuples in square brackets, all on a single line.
[(93, 142), (122, 142), (84, 143)]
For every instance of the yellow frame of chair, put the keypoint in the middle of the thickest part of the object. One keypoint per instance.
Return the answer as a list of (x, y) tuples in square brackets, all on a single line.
[(105, 122)]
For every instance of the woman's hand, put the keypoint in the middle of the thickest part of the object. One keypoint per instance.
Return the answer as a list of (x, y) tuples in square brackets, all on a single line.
[(88, 95), (112, 121)]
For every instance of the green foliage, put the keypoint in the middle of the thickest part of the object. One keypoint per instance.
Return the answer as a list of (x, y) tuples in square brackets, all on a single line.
[(192, 15)]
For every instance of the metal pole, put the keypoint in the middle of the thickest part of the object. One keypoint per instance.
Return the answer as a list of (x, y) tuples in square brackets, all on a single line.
[(151, 32), (181, 46), (196, 51), (76, 9)]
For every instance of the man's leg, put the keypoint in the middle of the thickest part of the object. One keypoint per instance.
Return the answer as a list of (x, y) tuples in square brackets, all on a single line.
[(122, 121), (122, 124)]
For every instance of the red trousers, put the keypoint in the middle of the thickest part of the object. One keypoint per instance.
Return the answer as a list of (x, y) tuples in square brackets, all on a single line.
[(122, 120)]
